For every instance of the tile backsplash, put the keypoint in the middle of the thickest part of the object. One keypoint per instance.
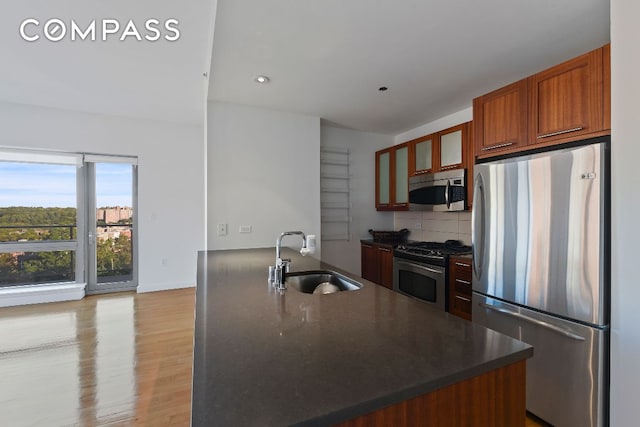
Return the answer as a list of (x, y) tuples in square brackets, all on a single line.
[(435, 226)]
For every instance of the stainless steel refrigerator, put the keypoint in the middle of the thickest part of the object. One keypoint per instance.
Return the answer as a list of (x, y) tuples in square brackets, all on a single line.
[(541, 273)]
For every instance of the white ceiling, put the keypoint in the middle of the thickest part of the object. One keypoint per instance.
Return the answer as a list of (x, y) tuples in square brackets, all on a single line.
[(328, 58), (156, 80), (325, 58)]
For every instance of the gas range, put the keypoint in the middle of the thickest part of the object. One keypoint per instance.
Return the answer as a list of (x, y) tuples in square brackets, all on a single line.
[(434, 253)]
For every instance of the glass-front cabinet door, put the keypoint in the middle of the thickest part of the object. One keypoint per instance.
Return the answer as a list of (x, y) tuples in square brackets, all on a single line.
[(392, 178), (422, 155), (402, 177), (452, 147), (383, 171)]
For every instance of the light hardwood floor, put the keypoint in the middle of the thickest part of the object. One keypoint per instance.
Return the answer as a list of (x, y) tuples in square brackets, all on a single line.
[(118, 360)]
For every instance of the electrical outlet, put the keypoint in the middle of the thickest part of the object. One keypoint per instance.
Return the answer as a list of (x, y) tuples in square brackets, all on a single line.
[(417, 226), (245, 229), (222, 229)]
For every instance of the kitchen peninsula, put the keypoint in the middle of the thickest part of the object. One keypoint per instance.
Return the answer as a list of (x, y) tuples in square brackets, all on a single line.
[(369, 356)]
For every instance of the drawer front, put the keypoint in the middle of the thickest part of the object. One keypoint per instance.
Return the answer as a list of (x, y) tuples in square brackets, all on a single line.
[(461, 306), (462, 286), (461, 268)]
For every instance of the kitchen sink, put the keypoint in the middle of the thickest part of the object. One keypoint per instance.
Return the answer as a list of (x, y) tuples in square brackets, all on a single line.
[(307, 281)]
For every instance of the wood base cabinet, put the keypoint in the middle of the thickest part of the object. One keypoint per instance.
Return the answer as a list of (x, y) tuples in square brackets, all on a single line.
[(377, 263), (460, 287), (494, 399)]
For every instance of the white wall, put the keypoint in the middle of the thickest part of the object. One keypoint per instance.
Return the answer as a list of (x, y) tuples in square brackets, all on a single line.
[(625, 205), (263, 171), (362, 146), (170, 179), (442, 123)]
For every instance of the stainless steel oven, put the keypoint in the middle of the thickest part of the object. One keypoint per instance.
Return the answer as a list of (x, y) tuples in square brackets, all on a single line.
[(423, 281), (420, 270)]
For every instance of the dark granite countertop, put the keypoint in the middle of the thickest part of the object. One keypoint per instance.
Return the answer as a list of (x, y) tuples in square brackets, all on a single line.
[(267, 359), (383, 244)]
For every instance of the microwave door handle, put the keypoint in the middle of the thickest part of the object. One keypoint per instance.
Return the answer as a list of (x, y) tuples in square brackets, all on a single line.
[(446, 195)]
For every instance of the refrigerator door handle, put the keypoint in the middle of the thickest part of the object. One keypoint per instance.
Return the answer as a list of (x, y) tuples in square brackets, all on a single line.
[(537, 322), (478, 253)]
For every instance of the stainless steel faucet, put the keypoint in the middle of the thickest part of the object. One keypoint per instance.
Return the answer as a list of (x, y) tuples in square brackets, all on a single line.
[(278, 271)]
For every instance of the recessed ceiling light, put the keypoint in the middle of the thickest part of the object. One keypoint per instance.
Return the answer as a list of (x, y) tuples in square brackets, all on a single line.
[(261, 79), (383, 88)]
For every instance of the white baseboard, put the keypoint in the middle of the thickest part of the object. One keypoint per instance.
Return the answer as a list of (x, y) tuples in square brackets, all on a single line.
[(163, 287), (37, 294)]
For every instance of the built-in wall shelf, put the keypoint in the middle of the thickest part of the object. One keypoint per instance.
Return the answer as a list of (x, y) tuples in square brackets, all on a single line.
[(333, 162), (336, 205), (335, 194), (336, 218), (334, 176), (335, 190)]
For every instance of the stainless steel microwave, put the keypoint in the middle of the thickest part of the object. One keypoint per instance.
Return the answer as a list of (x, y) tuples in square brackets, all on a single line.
[(441, 191)]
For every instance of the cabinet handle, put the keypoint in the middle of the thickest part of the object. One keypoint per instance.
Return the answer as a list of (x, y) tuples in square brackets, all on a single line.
[(367, 246), (385, 249), (464, 282), (422, 171), (462, 264), (463, 298), (449, 167), (493, 147), (398, 205), (560, 132)]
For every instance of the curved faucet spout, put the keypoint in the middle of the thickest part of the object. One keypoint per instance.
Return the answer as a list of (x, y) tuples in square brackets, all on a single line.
[(289, 233), (278, 271)]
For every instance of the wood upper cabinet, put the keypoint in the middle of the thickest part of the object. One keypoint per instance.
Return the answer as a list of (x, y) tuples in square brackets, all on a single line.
[(500, 119), (392, 178), (566, 101), (451, 148), (444, 150)]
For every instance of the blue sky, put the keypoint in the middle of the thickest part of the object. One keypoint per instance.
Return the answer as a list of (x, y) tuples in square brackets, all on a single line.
[(31, 184)]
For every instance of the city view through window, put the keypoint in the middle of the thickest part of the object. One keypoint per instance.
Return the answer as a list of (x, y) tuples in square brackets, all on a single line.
[(38, 223)]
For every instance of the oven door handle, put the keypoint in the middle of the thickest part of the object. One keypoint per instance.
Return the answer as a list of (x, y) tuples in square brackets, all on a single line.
[(421, 267), (431, 270)]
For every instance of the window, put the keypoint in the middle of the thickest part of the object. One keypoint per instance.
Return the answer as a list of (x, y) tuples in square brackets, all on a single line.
[(67, 218), (38, 218)]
